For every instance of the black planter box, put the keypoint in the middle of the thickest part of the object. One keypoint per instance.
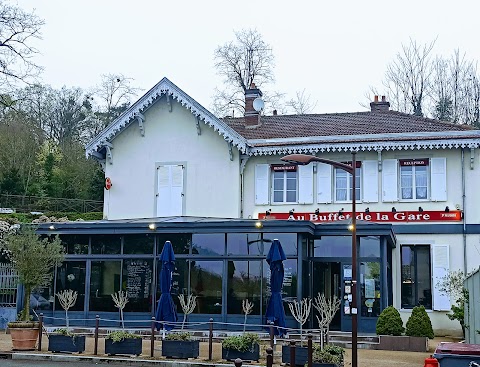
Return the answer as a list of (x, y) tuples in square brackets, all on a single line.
[(324, 364), (63, 343), (131, 346), (249, 355), (180, 348), (301, 355)]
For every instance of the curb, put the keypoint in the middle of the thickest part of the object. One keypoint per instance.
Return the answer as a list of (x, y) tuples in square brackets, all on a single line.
[(137, 362)]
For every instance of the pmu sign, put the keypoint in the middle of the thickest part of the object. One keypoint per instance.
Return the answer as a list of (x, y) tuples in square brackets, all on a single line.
[(400, 216)]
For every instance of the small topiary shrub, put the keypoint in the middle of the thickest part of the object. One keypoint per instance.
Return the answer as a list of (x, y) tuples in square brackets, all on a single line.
[(389, 322), (419, 323), (242, 343), (330, 354)]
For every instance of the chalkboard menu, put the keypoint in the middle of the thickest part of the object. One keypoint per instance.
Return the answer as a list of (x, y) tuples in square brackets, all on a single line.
[(139, 278)]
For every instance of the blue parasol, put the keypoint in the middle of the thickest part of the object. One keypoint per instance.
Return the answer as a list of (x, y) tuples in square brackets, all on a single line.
[(275, 312), (166, 308)]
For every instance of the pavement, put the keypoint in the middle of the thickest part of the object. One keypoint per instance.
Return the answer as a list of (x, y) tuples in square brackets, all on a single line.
[(366, 358)]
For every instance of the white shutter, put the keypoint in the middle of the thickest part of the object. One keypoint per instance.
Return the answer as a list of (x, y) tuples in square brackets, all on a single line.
[(261, 184), (370, 181), (440, 267), (169, 190), (438, 179), (305, 184), (389, 180), (324, 183)]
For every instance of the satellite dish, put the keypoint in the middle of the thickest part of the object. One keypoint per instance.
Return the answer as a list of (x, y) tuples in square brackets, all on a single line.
[(258, 104)]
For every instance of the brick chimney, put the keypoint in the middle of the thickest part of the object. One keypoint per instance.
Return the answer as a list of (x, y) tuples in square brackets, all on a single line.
[(252, 117), (379, 106)]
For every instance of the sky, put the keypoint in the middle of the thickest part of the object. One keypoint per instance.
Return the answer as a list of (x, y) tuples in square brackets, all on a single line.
[(334, 50)]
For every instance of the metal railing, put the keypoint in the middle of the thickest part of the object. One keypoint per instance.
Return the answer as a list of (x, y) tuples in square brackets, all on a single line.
[(27, 204), (8, 285)]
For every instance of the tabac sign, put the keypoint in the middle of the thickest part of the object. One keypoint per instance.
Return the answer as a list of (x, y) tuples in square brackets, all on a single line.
[(399, 216)]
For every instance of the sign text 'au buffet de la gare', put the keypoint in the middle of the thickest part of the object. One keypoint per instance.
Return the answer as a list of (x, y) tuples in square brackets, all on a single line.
[(399, 216)]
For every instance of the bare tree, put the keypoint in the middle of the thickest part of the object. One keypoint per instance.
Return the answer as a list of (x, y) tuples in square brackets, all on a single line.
[(17, 29), (326, 308), (188, 305), (408, 77), (246, 60), (67, 299), (115, 93), (120, 299), (247, 307), (302, 103), (300, 312)]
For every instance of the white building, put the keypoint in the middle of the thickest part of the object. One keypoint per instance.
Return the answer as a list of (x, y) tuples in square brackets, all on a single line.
[(169, 159)]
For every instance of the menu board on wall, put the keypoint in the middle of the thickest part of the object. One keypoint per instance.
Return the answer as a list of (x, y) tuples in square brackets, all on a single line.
[(139, 278)]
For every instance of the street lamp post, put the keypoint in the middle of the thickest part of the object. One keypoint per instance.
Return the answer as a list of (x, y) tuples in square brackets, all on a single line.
[(303, 159)]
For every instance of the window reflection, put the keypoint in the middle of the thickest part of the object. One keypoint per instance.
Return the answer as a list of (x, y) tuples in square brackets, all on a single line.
[(206, 283), (370, 246), (138, 244), (244, 282), (288, 241), (244, 244), (333, 246), (370, 288), (106, 244), (71, 275), (104, 281), (289, 287), (137, 282), (208, 244), (181, 242), (75, 244)]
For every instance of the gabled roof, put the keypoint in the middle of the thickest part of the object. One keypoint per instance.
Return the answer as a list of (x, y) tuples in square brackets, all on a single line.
[(164, 87)]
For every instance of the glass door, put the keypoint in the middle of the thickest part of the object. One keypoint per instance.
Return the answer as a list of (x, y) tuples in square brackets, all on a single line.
[(370, 294), (326, 280)]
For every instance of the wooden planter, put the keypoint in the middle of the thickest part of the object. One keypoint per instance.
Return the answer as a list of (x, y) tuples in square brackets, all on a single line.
[(403, 343), (180, 348), (63, 343), (301, 355), (132, 346), (249, 355), (24, 338)]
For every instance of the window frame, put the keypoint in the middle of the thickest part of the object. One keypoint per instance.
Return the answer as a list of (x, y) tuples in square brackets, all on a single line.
[(358, 181), (415, 282), (414, 187), (284, 189)]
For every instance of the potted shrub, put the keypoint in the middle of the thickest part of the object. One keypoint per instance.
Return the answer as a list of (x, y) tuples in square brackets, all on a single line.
[(300, 311), (123, 342), (390, 328), (180, 345), (329, 356), (419, 328), (245, 347), (63, 340), (33, 258)]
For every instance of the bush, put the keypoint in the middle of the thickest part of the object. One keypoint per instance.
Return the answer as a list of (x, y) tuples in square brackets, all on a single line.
[(419, 323), (389, 322), (120, 335), (242, 343), (329, 354), (184, 336)]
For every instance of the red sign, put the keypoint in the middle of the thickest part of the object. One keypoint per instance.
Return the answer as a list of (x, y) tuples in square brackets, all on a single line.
[(400, 216), (108, 183), (414, 162), (283, 167)]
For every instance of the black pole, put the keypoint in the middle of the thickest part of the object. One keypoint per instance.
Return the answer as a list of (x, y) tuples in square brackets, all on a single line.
[(238, 362), (97, 324), (152, 337), (272, 335), (210, 340), (292, 354), (269, 357), (310, 350), (40, 331), (353, 306)]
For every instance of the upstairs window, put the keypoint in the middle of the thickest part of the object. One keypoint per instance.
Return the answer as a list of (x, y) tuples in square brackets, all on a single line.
[(414, 179), (344, 183), (285, 184)]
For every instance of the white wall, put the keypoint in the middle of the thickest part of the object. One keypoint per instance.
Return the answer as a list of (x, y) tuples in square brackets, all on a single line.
[(211, 179)]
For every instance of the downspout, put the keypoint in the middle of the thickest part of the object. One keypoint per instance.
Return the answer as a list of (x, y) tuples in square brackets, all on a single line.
[(464, 228), (243, 163)]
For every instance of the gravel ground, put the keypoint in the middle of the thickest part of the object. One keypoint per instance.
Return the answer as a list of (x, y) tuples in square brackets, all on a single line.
[(366, 358)]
